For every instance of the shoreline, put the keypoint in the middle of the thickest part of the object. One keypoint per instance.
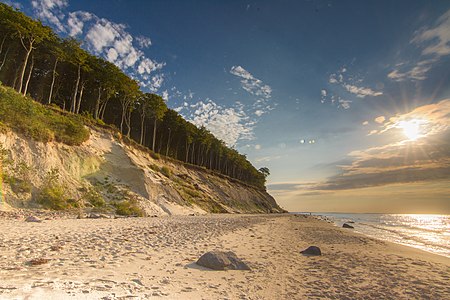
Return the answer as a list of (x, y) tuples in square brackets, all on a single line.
[(141, 258), (338, 224)]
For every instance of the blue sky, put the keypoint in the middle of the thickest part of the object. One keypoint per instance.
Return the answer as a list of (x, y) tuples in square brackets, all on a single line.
[(318, 91)]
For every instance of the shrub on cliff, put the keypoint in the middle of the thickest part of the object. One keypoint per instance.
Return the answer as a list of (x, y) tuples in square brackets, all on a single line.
[(39, 122), (52, 194), (128, 208)]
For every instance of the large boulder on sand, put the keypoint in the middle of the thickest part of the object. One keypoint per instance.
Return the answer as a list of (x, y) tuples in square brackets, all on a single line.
[(218, 260), (347, 226), (312, 250)]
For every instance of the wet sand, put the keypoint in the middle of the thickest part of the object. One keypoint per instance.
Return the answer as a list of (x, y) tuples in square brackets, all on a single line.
[(154, 258)]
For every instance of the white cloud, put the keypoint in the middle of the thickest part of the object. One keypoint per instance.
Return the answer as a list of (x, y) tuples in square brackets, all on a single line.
[(229, 124), (251, 84), (76, 21), (143, 41), (165, 95), (361, 92), (147, 66), (439, 36), (345, 104), (153, 83), (267, 158), (418, 72), (257, 147), (111, 55), (435, 42), (50, 10), (102, 35), (259, 113), (365, 123), (350, 84), (380, 119)]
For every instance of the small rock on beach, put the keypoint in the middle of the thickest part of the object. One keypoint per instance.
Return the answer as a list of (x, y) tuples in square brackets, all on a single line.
[(312, 250)]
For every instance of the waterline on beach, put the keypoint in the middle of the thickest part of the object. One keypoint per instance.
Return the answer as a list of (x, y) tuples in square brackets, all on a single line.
[(427, 232)]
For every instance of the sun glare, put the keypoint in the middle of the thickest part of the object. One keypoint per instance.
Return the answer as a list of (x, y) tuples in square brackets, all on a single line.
[(411, 128)]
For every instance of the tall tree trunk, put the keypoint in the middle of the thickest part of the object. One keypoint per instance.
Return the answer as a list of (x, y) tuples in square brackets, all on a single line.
[(53, 81), (141, 141), (3, 42), (75, 93), (168, 143), (122, 119), (187, 151), (6, 53), (83, 85), (25, 62), (29, 76), (128, 120), (103, 108), (4, 59), (154, 135), (97, 103)]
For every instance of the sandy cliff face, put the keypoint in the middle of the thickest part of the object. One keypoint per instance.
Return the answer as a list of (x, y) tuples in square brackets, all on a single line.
[(119, 171)]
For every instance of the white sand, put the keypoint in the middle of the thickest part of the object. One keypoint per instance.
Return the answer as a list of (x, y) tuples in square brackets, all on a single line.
[(141, 258)]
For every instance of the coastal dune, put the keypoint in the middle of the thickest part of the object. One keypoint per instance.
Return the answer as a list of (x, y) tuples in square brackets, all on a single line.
[(140, 258)]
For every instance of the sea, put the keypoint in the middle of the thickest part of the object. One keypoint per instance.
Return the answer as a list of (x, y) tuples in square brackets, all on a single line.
[(427, 232)]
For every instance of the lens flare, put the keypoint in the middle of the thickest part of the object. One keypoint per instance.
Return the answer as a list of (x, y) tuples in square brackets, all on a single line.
[(412, 128)]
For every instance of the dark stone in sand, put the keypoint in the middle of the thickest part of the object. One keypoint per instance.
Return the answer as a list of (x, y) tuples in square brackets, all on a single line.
[(218, 260), (33, 219), (311, 250), (38, 261), (347, 226)]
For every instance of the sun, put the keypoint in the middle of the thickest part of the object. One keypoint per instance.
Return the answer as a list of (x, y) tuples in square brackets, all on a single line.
[(411, 128)]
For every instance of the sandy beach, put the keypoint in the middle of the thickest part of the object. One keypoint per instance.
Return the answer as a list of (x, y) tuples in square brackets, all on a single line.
[(154, 258)]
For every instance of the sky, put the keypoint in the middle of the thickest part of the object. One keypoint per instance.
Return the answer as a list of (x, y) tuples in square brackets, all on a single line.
[(346, 102)]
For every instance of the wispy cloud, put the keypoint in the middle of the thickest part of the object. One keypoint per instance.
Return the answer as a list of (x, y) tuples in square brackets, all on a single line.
[(262, 92), (340, 82), (251, 84), (361, 92), (434, 43)]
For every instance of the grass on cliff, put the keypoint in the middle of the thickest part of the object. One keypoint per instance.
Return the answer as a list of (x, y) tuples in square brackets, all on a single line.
[(36, 121)]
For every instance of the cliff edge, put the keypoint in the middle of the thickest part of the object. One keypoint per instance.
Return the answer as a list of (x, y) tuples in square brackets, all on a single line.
[(105, 171)]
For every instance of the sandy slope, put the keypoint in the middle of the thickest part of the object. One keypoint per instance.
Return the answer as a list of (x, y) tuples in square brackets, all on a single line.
[(153, 258)]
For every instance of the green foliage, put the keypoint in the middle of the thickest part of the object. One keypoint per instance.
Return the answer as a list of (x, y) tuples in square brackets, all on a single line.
[(166, 172), (154, 167), (128, 208), (192, 193), (155, 155), (18, 185), (52, 194), (94, 198), (38, 122)]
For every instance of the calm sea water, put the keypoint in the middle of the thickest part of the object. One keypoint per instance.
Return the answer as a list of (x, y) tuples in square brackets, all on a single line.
[(427, 232)]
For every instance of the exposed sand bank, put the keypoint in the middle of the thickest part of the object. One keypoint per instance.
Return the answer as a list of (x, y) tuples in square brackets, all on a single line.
[(154, 258)]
